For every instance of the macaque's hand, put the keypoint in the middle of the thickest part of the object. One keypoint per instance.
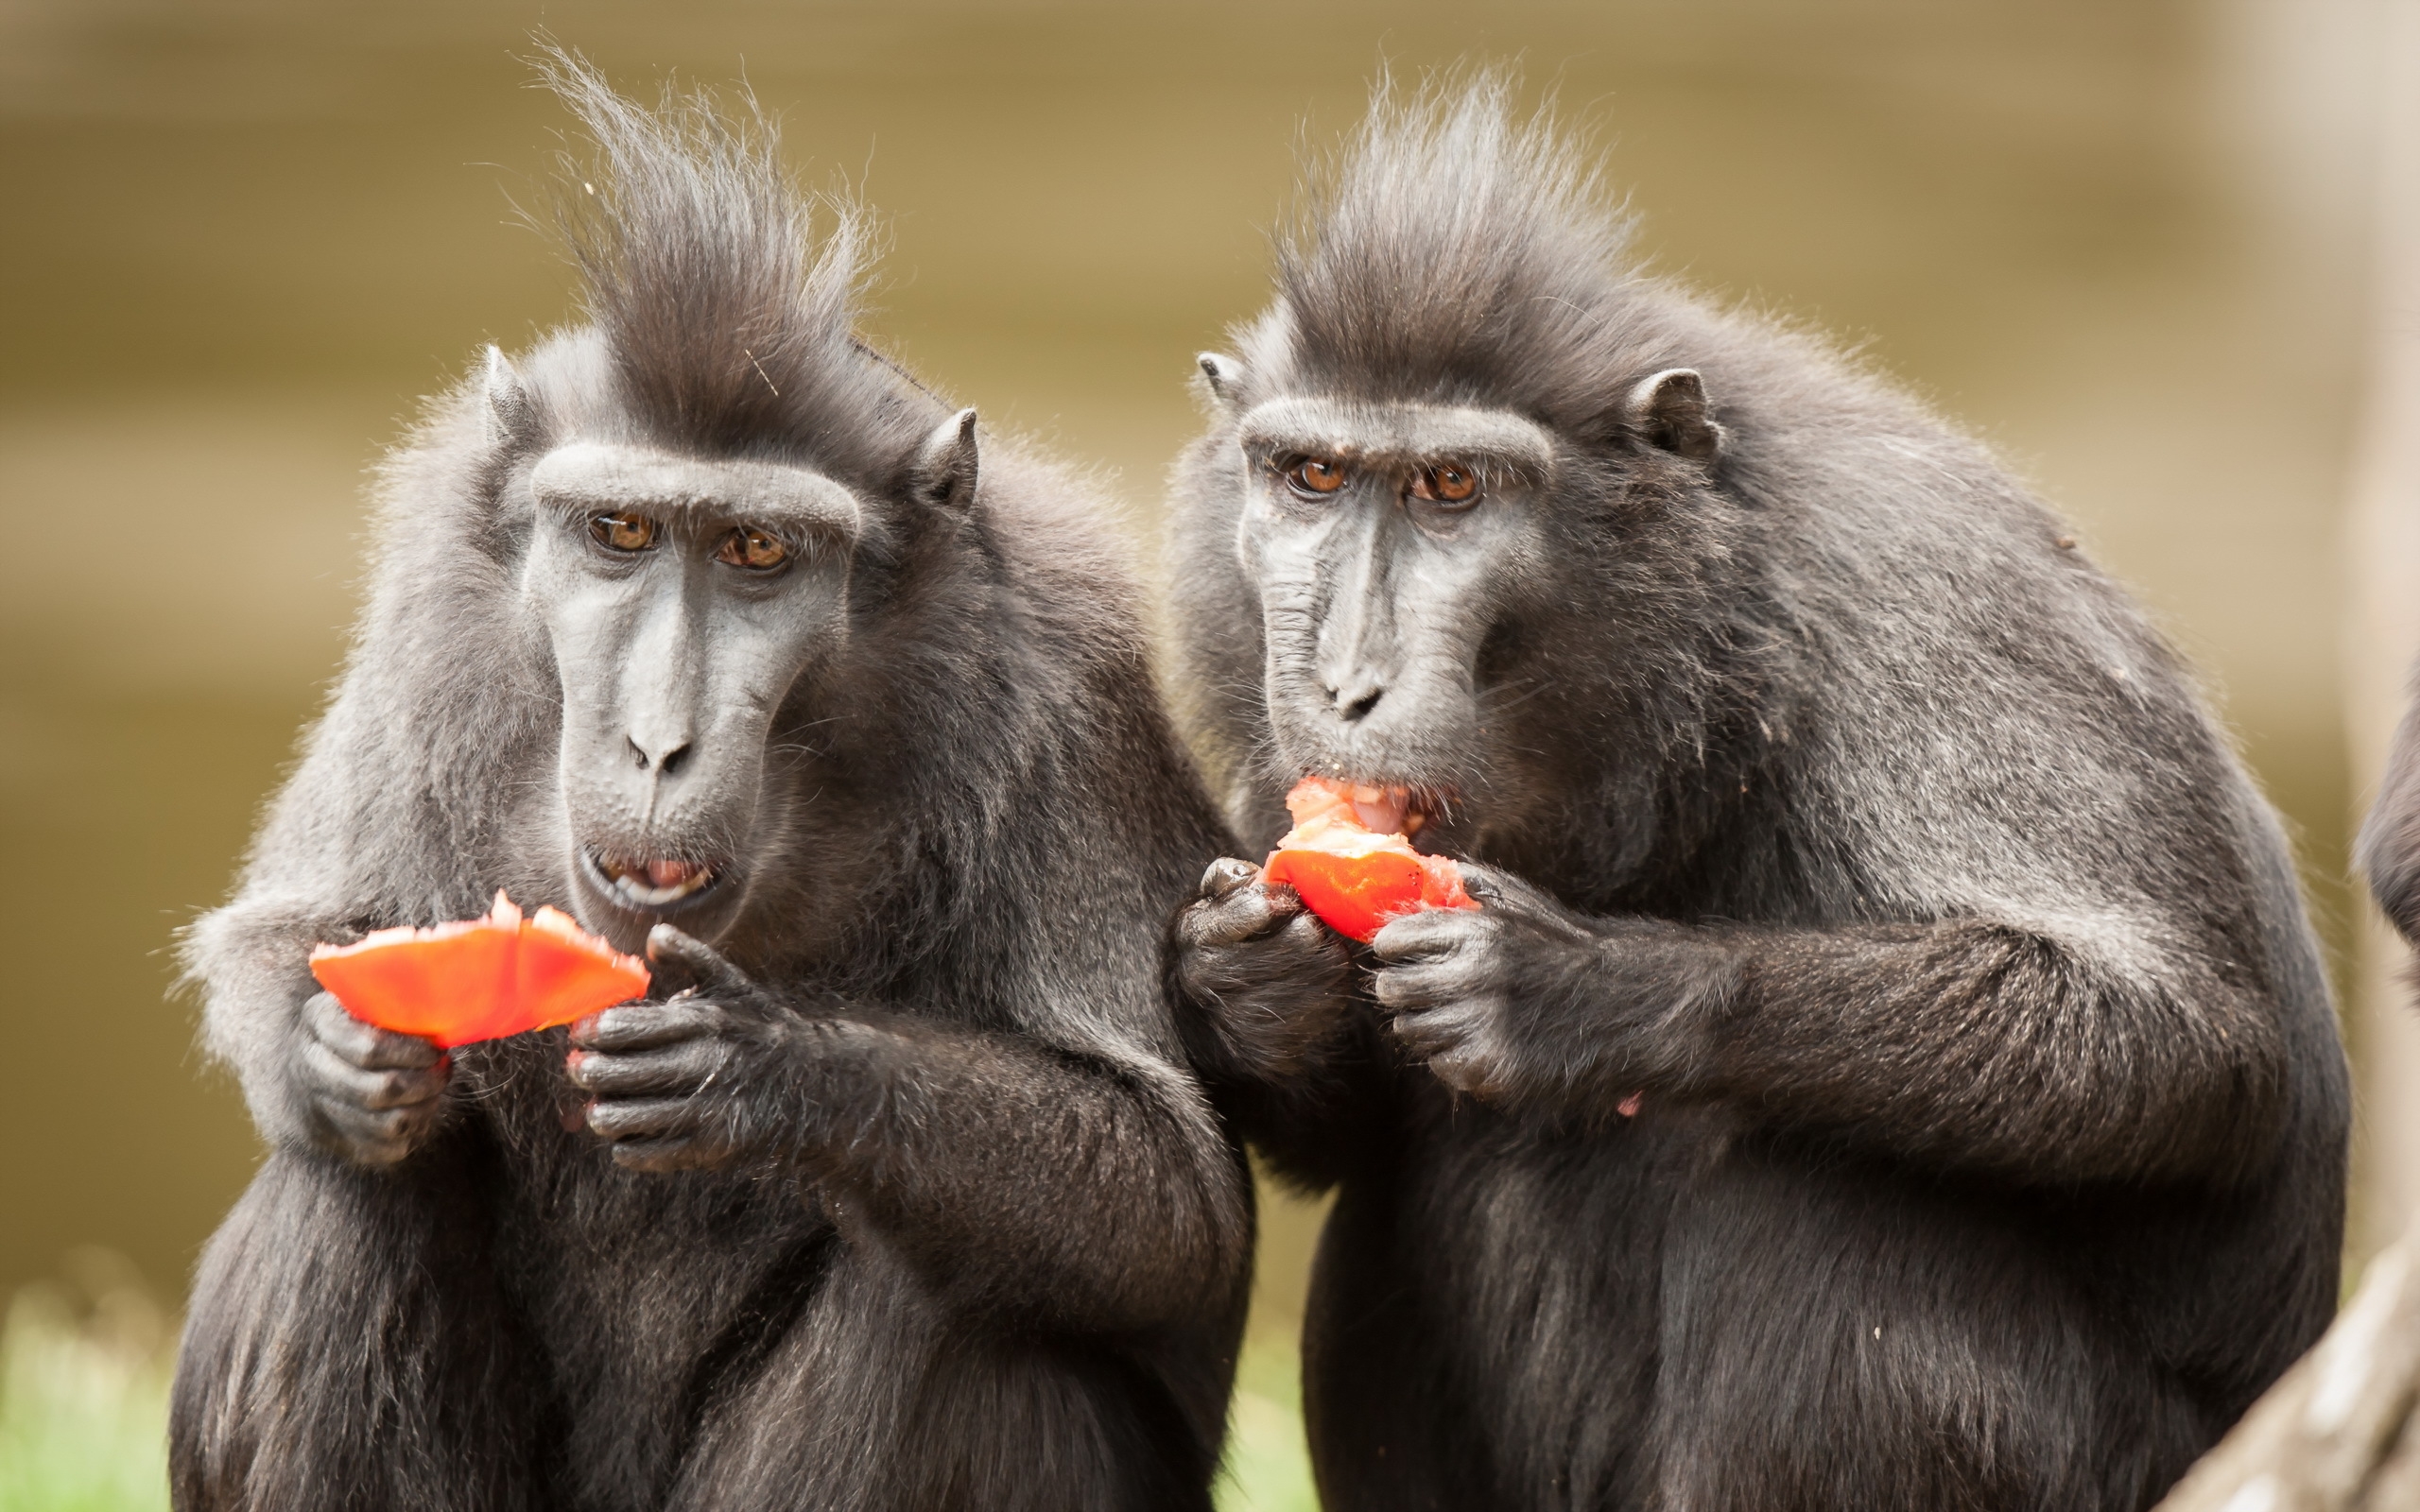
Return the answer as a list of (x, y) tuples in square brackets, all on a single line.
[(371, 1095), (1515, 994), (700, 1078), (1274, 982)]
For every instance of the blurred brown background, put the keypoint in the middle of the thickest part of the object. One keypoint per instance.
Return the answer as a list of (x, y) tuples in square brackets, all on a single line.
[(2126, 240)]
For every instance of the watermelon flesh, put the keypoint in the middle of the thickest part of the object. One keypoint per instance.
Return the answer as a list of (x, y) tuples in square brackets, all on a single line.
[(1352, 874), (479, 978)]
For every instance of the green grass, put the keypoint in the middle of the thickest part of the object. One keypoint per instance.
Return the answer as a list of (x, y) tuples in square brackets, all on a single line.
[(84, 1395), (84, 1405), (1268, 1463)]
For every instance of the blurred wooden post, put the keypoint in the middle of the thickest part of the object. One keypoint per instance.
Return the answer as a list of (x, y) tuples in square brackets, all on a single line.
[(2340, 1433), (2382, 635), (2335, 1434)]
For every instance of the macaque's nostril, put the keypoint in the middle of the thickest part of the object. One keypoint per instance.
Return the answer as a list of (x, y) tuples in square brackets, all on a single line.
[(667, 764)]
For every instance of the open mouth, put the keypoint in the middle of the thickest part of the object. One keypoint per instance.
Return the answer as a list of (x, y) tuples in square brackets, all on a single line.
[(652, 885), (1383, 809)]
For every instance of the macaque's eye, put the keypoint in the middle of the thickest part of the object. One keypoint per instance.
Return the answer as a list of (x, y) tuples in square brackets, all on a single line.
[(1316, 474), (1446, 483), (752, 548), (622, 532)]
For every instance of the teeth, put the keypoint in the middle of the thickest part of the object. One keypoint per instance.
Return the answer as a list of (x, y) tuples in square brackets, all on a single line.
[(1381, 810), (657, 883)]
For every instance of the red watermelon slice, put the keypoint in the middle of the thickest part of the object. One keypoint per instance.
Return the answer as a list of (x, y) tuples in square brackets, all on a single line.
[(479, 978), (1352, 877)]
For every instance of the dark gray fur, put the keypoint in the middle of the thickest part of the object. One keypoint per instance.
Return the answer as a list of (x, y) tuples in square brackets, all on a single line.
[(1991, 1142), (906, 1204)]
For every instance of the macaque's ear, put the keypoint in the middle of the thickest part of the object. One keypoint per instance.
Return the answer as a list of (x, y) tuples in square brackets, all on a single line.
[(512, 418), (948, 463), (1223, 375), (1669, 410)]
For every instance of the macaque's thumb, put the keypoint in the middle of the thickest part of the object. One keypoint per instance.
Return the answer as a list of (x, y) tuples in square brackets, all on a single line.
[(680, 960)]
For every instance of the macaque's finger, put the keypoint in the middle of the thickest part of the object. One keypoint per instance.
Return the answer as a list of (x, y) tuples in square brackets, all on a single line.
[(641, 1117), (1506, 895), (341, 1081), (680, 1068), (693, 962), (1225, 875), (1425, 935), (1430, 1032), (381, 1137), (1412, 990), (646, 1025), (366, 1044), (1464, 1070), (1305, 933), (1245, 913)]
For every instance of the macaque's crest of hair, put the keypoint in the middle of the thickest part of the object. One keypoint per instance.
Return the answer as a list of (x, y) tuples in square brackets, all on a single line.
[(728, 314), (1456, 252)]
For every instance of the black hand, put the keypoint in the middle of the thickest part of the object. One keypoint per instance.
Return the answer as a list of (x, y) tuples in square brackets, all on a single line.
[(696, 1080), (1272, 982), (1515, 995), (373, 1095)]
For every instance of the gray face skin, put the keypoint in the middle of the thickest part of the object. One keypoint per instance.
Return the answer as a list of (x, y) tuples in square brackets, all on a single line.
[(682, 599), (1384, 540)]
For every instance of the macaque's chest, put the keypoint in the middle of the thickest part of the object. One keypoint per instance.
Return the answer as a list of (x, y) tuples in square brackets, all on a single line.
[(641, 1292), (1508, 1256)]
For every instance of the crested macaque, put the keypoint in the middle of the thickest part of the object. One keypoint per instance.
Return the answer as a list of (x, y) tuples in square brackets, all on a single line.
[(1890, 1067), (709, 624)]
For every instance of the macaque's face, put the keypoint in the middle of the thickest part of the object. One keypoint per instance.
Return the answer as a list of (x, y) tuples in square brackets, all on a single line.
[(682, 599), (1391, 545)]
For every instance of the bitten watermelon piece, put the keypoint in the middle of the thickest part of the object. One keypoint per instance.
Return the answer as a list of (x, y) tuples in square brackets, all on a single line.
[(1351, 876), (479, 978)]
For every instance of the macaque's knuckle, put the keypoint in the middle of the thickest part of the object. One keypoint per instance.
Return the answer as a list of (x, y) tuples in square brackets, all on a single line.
[(1305, 936), (403, 1089), (1226, 875)]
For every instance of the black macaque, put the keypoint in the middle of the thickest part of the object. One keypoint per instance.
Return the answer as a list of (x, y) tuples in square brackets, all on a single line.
[(705, 621), (1831, 813)]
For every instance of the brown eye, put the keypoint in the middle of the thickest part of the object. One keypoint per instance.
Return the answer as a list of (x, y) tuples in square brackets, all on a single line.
[(1451, 483), (1316, 474), (751, 547), (623, 532)]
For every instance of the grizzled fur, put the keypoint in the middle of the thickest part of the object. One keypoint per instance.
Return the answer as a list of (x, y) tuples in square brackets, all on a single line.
[(943, 1226), (2390, 844), (1991, 1127)]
